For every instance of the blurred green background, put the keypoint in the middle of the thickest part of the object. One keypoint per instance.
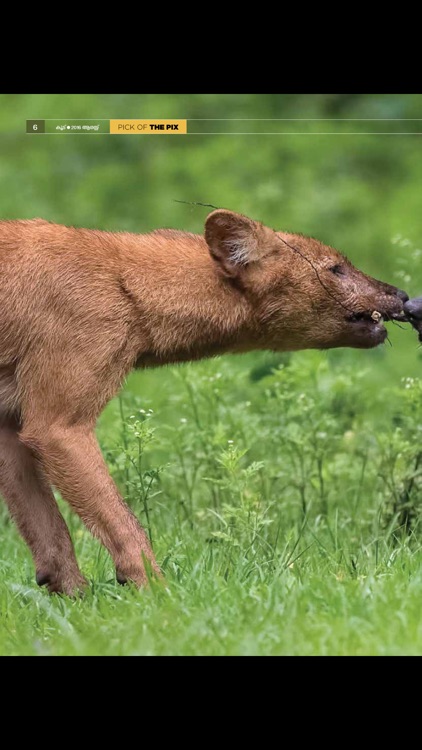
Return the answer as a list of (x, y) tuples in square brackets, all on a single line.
[(360, 193)]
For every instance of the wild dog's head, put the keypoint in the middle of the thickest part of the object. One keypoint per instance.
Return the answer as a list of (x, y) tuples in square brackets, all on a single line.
[(305, 295)]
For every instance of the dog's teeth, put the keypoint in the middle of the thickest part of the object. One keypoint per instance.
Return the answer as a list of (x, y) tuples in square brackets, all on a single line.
[(376, 316)]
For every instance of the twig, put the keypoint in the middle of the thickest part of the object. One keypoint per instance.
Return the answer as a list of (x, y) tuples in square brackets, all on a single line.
[(196, 203)]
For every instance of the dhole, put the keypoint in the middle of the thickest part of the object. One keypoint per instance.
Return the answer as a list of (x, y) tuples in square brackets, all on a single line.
[(79, 308)]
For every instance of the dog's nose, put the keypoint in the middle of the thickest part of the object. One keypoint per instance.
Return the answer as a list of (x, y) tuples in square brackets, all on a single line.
[(402, 295), (413, 308)]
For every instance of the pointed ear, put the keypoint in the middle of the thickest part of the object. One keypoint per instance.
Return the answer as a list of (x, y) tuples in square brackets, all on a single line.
[(235, 241)]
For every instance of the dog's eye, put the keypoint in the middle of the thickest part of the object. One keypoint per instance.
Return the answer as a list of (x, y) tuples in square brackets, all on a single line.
[(337, 269)]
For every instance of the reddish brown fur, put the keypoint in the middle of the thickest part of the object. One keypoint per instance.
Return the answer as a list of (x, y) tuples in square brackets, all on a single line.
[(79, 308)]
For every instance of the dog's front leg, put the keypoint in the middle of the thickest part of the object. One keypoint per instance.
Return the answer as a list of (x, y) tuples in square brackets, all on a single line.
[(72, 460)]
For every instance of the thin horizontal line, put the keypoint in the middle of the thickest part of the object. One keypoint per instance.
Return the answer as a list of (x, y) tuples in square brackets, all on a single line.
[(82, 119), (302, 119), (216, 133), (241, 119), (281, 133)]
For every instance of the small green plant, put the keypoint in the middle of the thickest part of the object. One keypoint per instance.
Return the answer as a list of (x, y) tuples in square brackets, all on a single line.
[(242, 520), (129, 465), (400, 467)]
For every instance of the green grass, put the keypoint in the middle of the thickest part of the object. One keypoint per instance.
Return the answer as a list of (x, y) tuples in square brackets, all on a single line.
[(317, 607), (282, 495)]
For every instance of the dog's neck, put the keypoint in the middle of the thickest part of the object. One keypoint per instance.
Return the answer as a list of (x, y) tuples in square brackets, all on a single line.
[(189, 310)]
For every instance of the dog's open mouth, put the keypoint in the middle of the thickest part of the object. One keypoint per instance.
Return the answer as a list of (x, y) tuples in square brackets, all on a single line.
[(368, 325), (376, 317)]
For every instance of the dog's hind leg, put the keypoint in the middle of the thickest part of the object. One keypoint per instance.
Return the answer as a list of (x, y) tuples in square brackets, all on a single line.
[(34, 509), (32, 505)]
